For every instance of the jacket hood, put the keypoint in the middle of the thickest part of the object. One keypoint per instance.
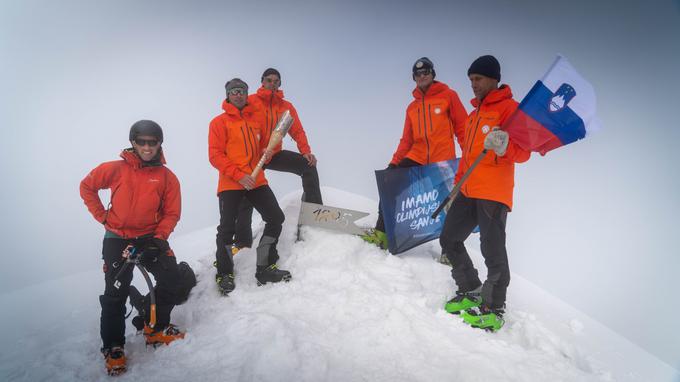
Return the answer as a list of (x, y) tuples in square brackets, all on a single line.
[(496, 95), (131, 158), (434, 89), (233, 111), (265, 93)]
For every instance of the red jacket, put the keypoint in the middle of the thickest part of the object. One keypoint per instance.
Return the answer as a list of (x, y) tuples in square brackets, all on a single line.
[(144, 200), (235, 145), (273, 105), (494, 177), (432, 120)]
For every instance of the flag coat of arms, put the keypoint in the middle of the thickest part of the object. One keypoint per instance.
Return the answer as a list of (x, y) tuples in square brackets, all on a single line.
[(558, 110)]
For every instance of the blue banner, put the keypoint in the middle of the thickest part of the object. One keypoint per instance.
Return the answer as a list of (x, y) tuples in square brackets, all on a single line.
[(408, 197)]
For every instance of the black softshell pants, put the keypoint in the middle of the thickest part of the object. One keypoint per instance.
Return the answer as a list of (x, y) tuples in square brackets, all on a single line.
[(165, 272), (265, 203), (284, 161), (380, 223), (463, 216)]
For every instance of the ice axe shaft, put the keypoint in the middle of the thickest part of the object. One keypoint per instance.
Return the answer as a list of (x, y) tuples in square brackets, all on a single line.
[(458, 185), (132, 257)]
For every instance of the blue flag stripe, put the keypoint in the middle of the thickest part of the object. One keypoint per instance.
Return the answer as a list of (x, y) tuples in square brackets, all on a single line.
[(567, 126)]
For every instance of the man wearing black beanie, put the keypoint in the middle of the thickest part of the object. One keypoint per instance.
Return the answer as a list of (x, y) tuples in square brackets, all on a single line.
[(484, 200)]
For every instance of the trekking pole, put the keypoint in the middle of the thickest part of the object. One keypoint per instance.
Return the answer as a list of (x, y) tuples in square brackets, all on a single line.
[(458, 185), (131, 257)]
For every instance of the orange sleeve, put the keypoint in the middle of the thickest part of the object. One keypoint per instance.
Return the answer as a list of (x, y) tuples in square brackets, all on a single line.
[(217, 151), (100, 178), (458, 115), (405, 142), (298, 133), (172, 207)]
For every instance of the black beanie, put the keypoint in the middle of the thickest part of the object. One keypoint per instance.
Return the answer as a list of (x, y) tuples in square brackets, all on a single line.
[(487, 66), (268, 72), (234, 84), (423, 63)]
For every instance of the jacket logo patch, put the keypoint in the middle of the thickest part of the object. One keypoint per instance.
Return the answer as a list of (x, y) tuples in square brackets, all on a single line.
[(154, 180), (437, 110), (485, 129)]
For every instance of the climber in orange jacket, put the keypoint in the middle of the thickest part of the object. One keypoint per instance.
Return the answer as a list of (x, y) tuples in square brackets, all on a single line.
[(433, 119), (484, 200), (144, 209), (270, 102), (236, 142)]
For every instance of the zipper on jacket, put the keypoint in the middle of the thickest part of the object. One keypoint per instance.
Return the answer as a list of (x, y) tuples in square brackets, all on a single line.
[(474, 133), (245, 140), (429, 113), (427, 141), (270, 120), (249, 140)]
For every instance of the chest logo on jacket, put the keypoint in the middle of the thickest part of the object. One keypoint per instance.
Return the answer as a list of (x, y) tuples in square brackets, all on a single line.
[(437, 110), (485, 129)]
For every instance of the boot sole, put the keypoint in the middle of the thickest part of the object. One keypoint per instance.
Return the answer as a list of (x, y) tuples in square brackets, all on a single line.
[(284, 279)]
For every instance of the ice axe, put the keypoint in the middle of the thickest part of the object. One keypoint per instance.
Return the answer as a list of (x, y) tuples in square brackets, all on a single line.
[(280, 131), (456, 188), (132, 257)]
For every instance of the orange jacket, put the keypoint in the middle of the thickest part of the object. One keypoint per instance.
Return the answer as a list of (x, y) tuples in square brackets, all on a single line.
[(144, 200), (273, 105), (432, 120), (235, 145), (494, 177)]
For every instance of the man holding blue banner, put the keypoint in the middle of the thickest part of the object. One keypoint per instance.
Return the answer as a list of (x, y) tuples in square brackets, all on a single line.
[(484, 199), (432, 119)]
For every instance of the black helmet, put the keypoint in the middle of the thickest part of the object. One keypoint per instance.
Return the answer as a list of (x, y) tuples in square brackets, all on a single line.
[(146, 127)]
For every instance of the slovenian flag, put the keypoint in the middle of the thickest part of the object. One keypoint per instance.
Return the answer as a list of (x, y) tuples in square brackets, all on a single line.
[(558, 110)]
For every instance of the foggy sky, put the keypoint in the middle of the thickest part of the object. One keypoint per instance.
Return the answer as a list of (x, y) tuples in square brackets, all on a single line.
[(594, 222)]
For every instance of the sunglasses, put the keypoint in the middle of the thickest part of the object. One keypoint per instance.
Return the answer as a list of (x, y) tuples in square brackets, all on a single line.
[(142, 142), (422, 72), (237, 91)]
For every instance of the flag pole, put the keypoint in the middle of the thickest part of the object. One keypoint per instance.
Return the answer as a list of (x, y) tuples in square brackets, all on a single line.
[(458, 185)]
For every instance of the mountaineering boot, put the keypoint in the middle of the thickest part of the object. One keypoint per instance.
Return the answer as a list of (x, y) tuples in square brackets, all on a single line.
[(485, 318), (271, 274), (443, 259), (162, 337), (376, 237), (463, 301), (114, 357), (225, 283), (236, 248)]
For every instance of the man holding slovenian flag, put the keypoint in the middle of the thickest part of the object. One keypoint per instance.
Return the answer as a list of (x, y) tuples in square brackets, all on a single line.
[(558, 110)]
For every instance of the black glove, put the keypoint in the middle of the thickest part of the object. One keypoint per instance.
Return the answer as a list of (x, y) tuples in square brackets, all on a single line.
[(153, 248)]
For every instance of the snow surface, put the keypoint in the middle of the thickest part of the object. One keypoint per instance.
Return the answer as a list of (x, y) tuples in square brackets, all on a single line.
[(351, 313)]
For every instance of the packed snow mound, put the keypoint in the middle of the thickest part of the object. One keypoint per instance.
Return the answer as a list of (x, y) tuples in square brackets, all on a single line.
[(352, 312)]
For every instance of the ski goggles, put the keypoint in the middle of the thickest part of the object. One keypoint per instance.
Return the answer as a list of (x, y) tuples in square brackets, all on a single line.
[(422, 72), (142, 142), (237, 91)]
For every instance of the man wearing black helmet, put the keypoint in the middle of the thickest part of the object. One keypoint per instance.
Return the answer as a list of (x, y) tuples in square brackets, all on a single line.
[(433, 118), (144, 209)]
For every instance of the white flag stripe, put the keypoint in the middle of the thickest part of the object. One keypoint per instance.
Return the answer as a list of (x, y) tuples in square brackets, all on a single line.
[(584, 104)]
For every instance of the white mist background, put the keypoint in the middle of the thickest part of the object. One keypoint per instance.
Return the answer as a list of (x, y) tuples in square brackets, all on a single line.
[(594, 222)]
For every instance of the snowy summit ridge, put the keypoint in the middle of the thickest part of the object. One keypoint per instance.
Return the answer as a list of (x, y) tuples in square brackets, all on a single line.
[(351, 313)]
